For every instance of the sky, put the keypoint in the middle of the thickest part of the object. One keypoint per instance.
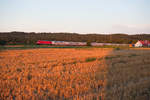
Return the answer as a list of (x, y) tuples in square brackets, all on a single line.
[(80, 16)]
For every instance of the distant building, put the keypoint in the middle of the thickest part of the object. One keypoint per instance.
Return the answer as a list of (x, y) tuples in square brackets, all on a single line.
[(144, 43)]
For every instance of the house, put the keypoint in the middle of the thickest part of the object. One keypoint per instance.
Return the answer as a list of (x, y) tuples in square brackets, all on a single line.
[(141, 43)]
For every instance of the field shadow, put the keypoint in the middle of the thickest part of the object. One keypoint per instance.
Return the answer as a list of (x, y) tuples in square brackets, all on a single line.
[(128, 75)]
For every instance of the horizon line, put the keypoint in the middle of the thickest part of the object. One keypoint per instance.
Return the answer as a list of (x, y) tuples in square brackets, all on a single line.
[(81, 33)]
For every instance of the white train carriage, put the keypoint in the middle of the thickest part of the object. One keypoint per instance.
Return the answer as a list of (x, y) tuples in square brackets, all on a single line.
[(65, 43)]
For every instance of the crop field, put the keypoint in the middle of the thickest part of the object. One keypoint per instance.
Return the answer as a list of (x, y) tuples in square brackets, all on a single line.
[(75, 74)]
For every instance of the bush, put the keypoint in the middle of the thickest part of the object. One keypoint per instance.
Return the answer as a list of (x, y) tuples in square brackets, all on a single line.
[(90, 59), (117, 48), (88, 43)]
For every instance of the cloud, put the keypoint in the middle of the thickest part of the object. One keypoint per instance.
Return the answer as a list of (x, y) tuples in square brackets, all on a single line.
[(145, 28)]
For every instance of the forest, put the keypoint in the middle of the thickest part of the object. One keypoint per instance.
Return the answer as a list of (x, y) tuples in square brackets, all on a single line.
[(32, 37)]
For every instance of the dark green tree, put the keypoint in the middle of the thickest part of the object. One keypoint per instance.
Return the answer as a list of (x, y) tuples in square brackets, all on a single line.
[(3, 42)]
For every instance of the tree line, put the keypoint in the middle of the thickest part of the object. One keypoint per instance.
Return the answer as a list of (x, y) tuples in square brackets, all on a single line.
[(32, 37)]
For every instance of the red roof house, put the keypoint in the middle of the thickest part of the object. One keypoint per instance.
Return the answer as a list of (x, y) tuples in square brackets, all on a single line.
[(141, 43)]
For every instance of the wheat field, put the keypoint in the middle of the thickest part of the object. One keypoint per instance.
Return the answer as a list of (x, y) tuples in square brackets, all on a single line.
[(75, 74)]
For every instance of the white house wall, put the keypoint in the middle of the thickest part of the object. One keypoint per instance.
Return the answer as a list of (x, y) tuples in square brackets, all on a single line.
[(138, 44)]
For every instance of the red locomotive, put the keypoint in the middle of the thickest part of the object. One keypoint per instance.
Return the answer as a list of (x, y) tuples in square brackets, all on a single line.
[(39, 42)]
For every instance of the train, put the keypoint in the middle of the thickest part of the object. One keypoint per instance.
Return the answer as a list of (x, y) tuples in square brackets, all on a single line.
[(66, 43), (63, 43)]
